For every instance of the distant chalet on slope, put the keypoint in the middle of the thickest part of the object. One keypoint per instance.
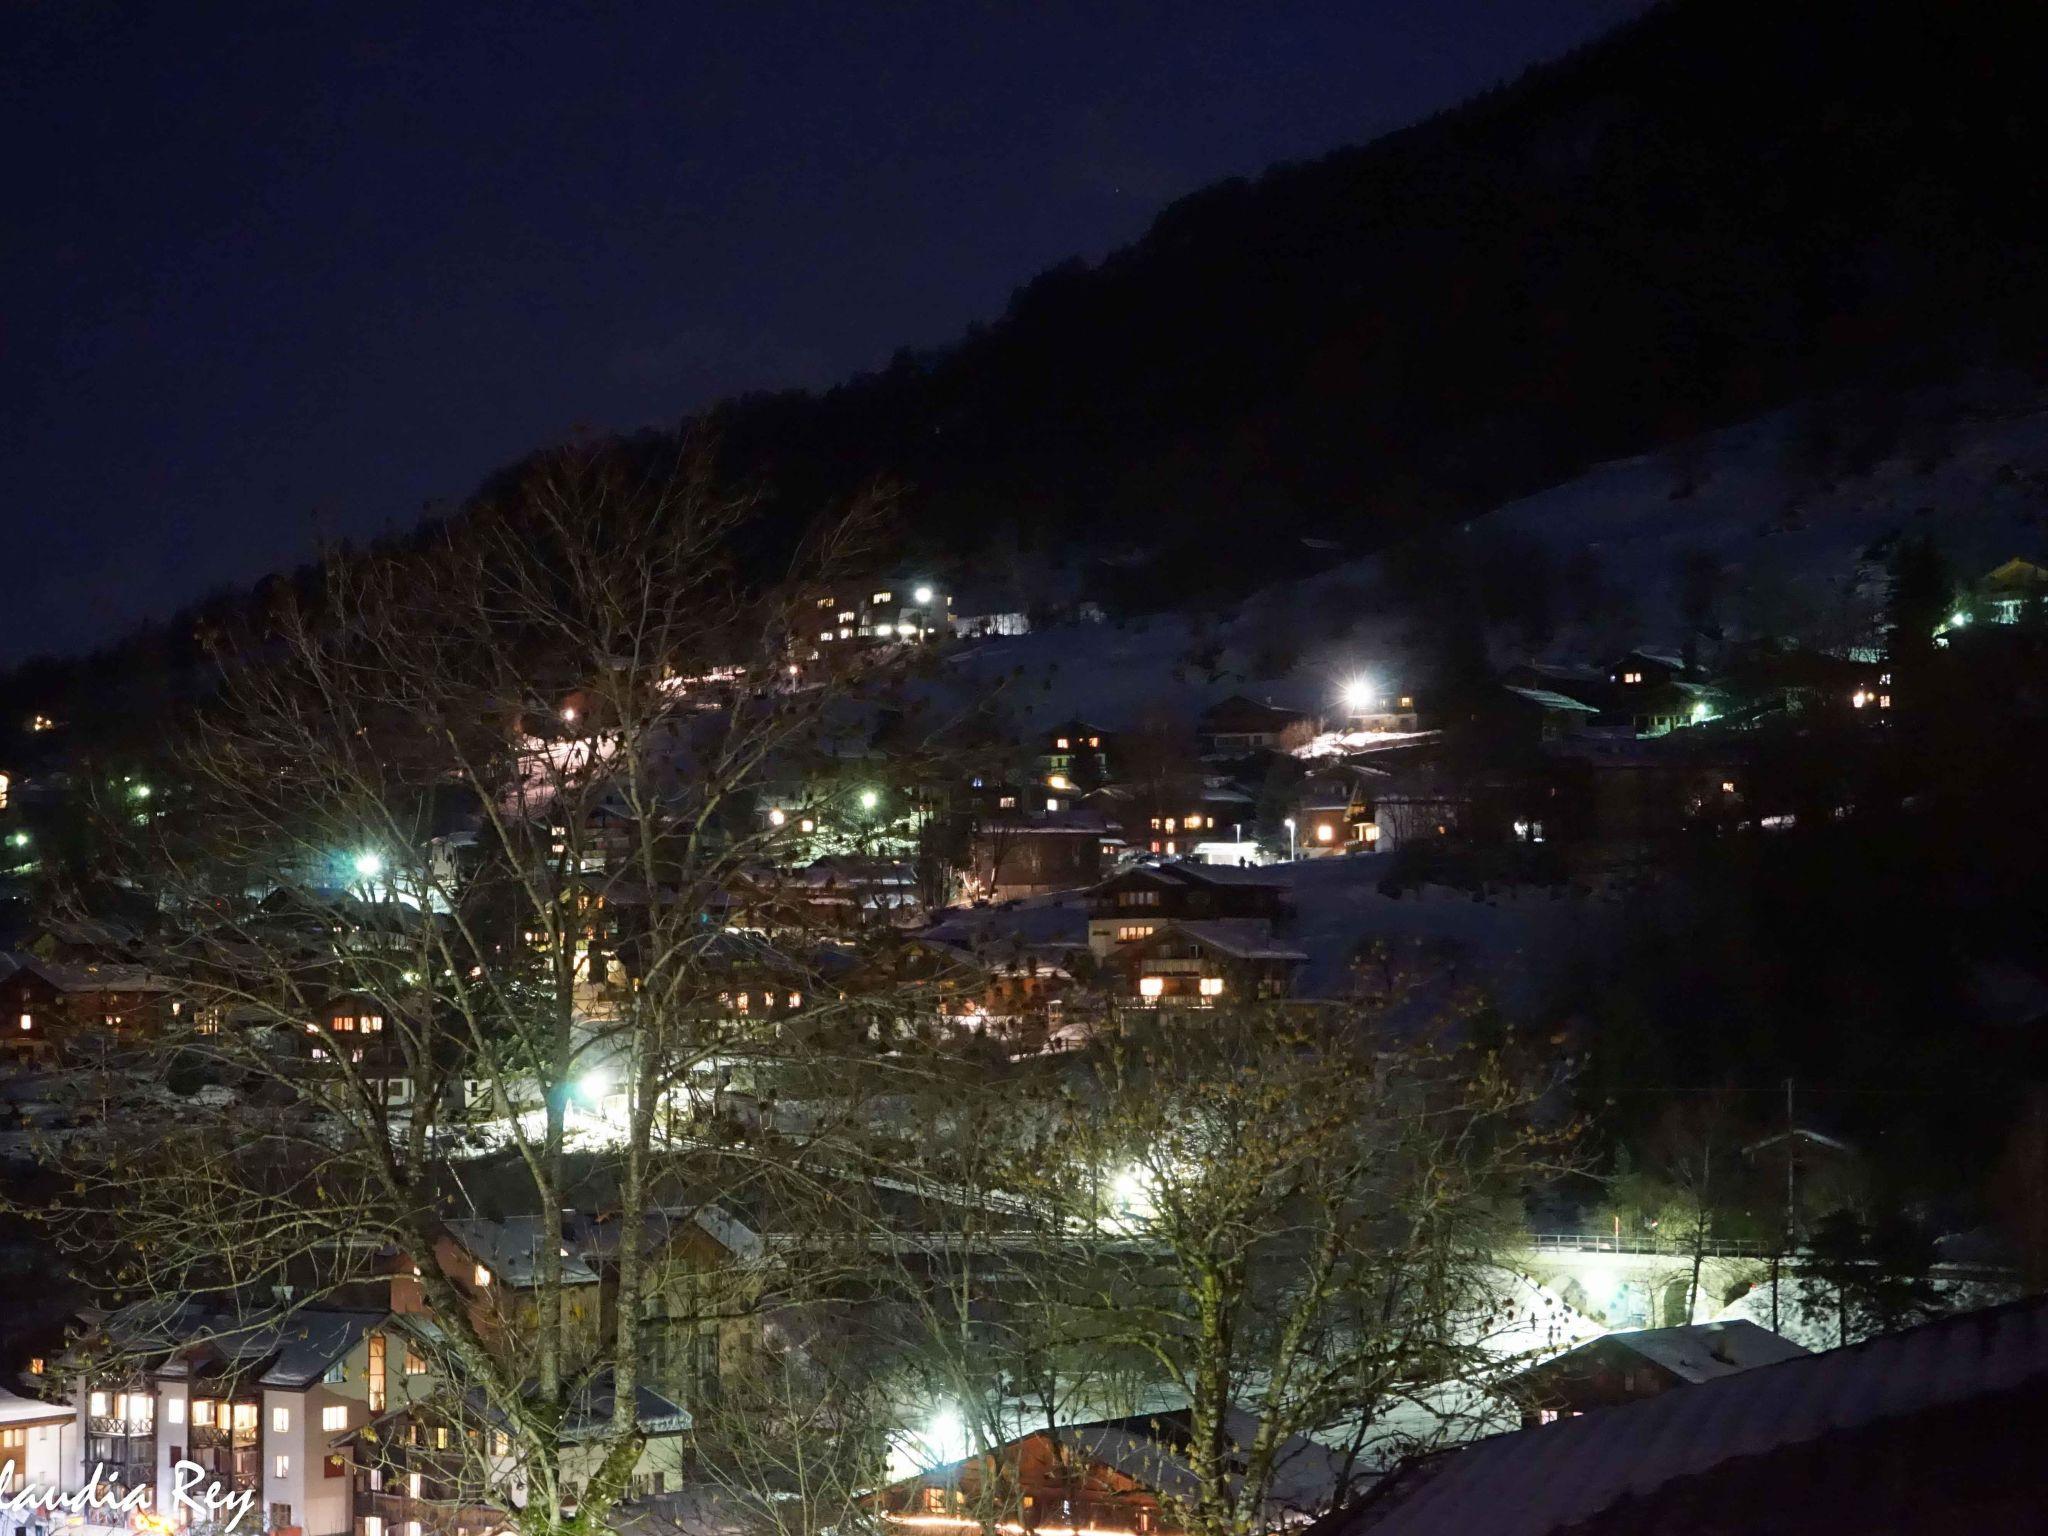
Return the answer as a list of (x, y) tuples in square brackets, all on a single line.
[(1626, 1367)]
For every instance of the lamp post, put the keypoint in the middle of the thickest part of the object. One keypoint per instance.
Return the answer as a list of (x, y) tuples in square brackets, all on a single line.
[(1290, 839)]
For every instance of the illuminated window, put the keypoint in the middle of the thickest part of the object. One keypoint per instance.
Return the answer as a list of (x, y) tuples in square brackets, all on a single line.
[(1094, 741), (935, 1501), (1325, 832), (334, 1418), (1052, 803), (1151, 986), (282, 1467), (1727, 786), (1194, 823), (1172, 823), (412, 1484), (345, 1024), (1061, 743), (97, 1405), (501, 1443), (280, 1421), (1007, 803), (28, 1021), (883, 597), (174, 1410), (373, 1023), (1406, 702), (202, 1411), (440, 1437), (35, 1365), (1056, 781), (481, 1276), (415, 1362), (372, 1526), (1631, 677), (1212, 986), (245, 1416), (375, 1374), (796, 999)]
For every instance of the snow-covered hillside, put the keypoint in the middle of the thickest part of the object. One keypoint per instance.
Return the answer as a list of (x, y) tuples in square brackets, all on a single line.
[(1777, 526)]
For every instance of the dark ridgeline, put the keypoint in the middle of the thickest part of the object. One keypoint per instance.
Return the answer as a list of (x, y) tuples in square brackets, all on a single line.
[(1718, 208)]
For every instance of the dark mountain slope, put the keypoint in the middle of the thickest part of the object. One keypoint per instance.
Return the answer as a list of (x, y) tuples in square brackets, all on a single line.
[(1720, 207)]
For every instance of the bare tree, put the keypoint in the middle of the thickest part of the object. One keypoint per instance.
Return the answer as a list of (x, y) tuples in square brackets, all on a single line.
[(438, 874), (1287, 1218)]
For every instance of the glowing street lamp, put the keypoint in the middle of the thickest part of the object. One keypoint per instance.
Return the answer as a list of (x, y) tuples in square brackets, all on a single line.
[(869, 799), (923, 596), (1358, 695), (1290, 837), (369, 865)]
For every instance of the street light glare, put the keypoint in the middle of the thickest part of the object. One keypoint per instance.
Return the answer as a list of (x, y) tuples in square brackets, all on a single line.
[(1358, 693), (369, 865), (923, 596)]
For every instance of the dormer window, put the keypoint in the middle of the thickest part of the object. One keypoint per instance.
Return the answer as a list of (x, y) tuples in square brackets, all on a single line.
[(1061, 743), (1631, 677), (883, 597)]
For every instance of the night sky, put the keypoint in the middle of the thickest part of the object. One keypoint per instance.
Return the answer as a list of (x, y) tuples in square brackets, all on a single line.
[(278, 272)]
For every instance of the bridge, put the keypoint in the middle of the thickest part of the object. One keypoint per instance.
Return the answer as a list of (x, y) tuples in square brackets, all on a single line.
[(1637, 1282), (1641, 1282)]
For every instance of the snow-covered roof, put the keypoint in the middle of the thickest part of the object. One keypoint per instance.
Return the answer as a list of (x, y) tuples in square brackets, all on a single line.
[(293, 1350), (508, 1247), (94, 976), (16, 1411), (1694, 1352), (1555, 1476), (1548, 700), (1242, 938)]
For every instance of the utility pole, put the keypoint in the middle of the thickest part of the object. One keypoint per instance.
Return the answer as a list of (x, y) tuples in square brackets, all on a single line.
[(1785, 1243)]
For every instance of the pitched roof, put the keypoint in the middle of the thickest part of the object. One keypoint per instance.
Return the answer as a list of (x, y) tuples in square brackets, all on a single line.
[(1242, 938), (1547, 1479), (93, 976), (1238, 714), (287, 1349), (16, 1410), (1693, 1352), (507, 1246), (1548, 700)]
